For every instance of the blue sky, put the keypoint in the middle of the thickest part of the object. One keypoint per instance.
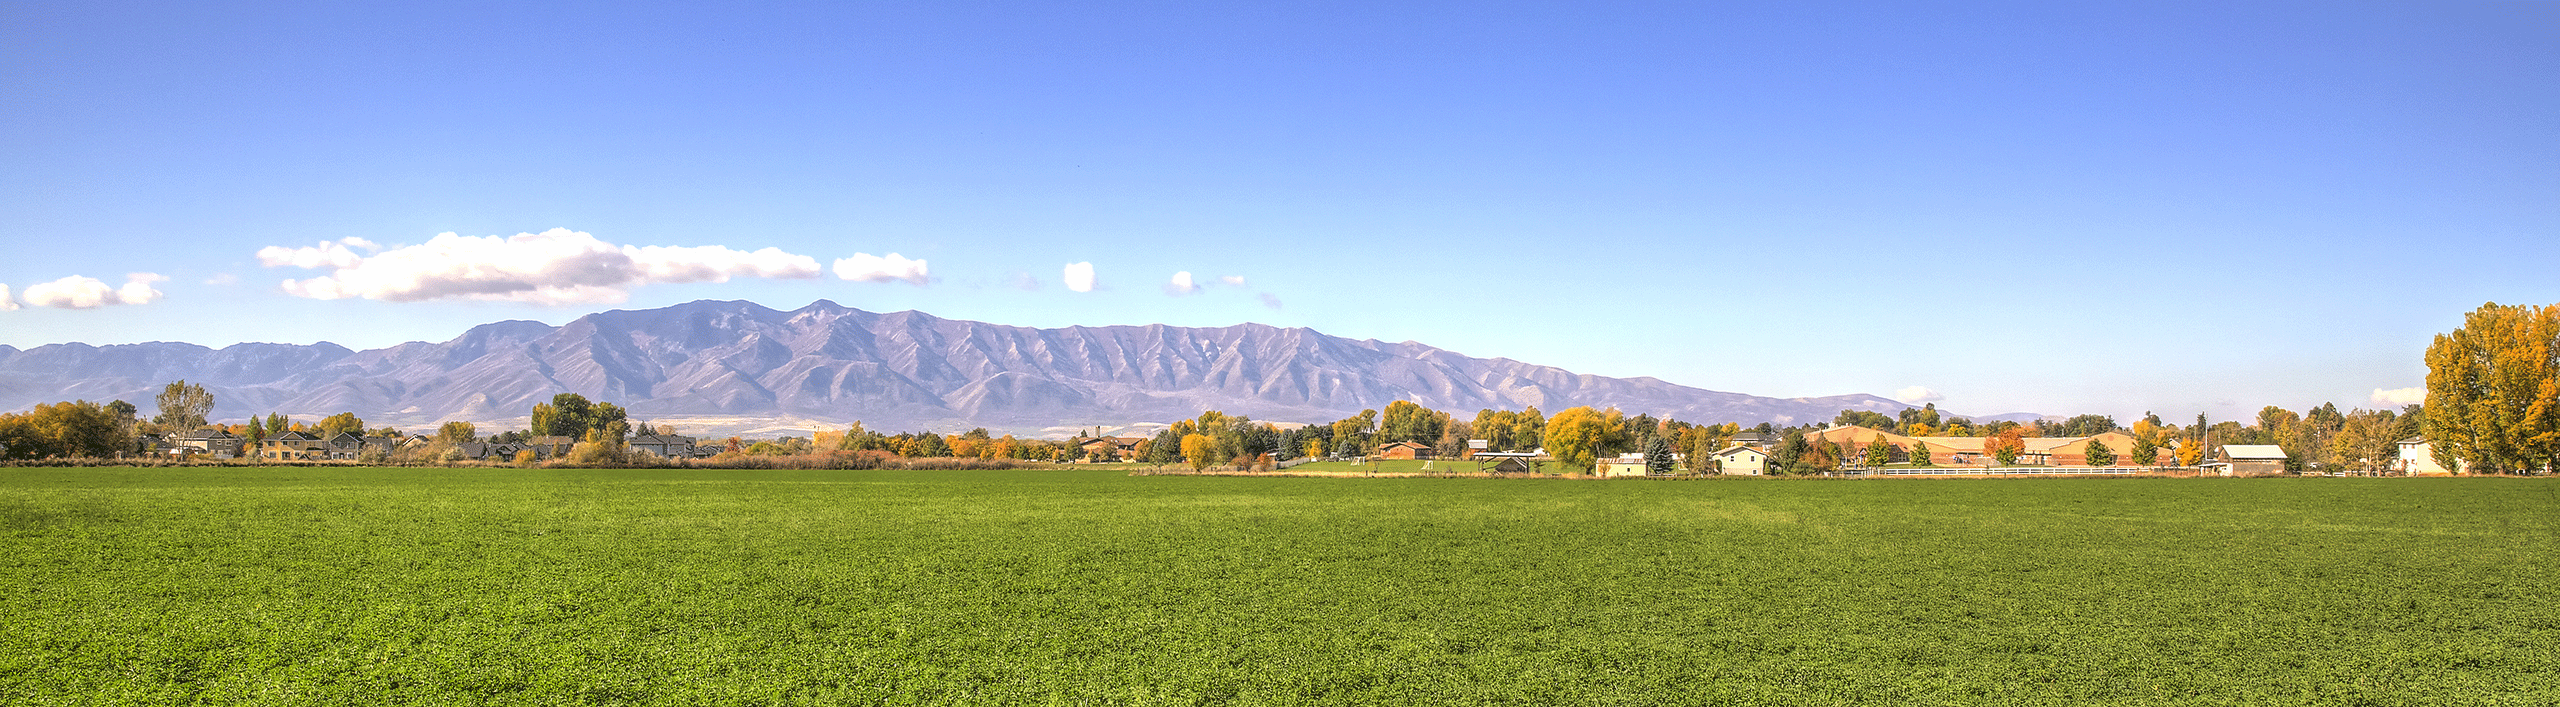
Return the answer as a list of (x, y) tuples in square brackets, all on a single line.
[(2050, 207)]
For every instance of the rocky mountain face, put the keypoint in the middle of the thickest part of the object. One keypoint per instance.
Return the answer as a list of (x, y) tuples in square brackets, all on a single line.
[(899, 371)]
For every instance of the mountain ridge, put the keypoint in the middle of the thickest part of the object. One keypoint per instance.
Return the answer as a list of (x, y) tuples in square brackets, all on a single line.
[(897, 370)]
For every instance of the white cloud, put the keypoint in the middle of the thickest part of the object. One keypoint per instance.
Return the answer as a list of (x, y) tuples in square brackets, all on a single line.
[(2397, 397), (1181, 284), (865, 267), (1269, 300), (1918, 394), (77, 292), (1233, 280), (329, 254), (222, 279), (6, 304), (1023, 281), (557, 266), (1079, 276)]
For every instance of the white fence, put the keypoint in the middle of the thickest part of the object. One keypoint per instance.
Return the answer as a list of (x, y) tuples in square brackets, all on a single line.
[(2024, 470)]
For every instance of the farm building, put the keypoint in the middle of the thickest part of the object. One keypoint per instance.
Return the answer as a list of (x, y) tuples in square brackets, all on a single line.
[(2074, 451), (2252, 460), (1853, 440), (1404, 450), (1112, 447), (1621, 465)]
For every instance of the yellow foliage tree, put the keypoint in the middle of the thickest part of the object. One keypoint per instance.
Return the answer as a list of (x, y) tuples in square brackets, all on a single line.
[(2493, 390), (1574, 437), (1199, 450)]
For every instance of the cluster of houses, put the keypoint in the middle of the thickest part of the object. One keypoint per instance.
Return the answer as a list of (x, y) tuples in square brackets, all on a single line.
[(298, 445), (1750, 453)]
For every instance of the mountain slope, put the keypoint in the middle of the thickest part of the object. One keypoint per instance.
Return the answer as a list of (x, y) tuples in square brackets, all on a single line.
[(902, 370)]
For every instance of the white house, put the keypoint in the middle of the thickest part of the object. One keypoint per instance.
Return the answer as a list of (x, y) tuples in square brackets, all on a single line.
[(1741, 460), (2418, 458)]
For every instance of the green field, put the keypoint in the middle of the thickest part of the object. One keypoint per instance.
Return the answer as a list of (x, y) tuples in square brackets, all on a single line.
[(682, 587)]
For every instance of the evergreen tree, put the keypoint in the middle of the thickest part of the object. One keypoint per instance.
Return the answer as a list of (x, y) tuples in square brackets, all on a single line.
[(1657, 456), (2098, 454)]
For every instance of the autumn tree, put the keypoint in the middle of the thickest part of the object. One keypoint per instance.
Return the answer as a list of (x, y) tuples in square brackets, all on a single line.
[(2367, 441), (183, 406), (2493, 390), (1198, 450), (76, 428), (1820, 455), (2006, 445), (457, 433), (1574, 437), (342, 422), (1924, 419)]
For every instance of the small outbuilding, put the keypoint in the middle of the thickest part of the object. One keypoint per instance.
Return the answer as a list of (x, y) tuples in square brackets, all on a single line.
[(1404, 450), (2252, 460)]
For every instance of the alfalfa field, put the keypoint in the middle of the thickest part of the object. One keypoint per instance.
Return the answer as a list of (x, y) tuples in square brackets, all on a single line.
[(700, 587)]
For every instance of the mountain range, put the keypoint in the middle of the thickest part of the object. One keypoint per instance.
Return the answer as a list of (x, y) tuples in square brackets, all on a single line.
[(826, 363)]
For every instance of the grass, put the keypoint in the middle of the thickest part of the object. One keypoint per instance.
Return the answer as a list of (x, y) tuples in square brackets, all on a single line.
[(425, 586)]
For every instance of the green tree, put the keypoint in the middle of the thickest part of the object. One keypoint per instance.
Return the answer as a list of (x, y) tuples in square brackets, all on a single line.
[(2145, 451), (2099, 454), (278, 424), (567, 415), (183, 406), (1657, 456), (1866, 418), (1879, 452), (2085, 425), (1165, 448), (1405, 421), (1529, 430)]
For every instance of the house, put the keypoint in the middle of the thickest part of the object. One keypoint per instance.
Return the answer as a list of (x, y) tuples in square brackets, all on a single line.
[(1404, 450), (489, 451), (292, 445), (669, 446), (2251, 460), (2418, 458), (1739, 460), (209, 442), (346, 445), (1753, 438), (1113, 448)]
